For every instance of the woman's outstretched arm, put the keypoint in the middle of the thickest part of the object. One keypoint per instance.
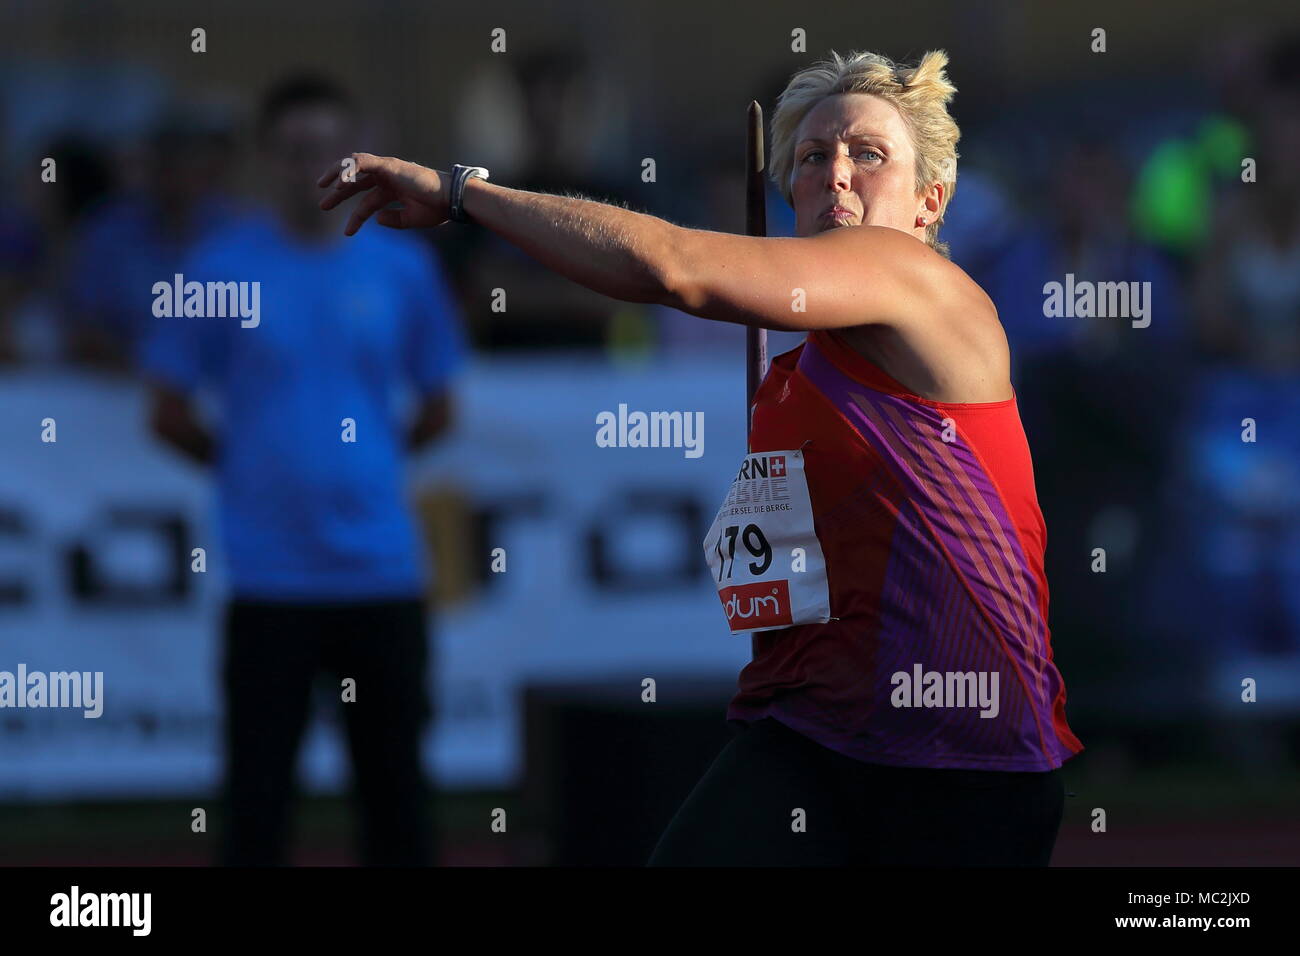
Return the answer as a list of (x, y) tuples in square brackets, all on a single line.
[(835, 279)]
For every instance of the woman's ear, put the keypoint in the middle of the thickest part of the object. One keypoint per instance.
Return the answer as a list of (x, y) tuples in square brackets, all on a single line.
[(931, 201)]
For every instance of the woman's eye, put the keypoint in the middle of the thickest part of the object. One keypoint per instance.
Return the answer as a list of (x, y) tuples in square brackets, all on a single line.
[(819, 154)]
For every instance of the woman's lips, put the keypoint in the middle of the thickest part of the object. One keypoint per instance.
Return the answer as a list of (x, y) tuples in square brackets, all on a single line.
[(838, 214)]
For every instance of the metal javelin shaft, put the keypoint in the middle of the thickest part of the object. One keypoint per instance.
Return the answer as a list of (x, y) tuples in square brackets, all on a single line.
[(755, 225)]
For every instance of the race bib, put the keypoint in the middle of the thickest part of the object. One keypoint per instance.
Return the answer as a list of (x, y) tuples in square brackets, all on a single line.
[(765, 557)]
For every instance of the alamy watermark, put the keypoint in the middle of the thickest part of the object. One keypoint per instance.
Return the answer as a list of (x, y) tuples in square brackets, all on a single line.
[(1098, 300), (219, 300), (651, 430), (82, 690), (76, 909), (922, 688)]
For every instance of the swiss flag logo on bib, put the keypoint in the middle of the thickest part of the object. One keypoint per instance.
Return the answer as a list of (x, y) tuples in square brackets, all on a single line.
[(777, 465)]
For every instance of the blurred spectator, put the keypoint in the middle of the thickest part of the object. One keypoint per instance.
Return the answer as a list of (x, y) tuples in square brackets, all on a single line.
[(1085, 233), (33, 240), (1175, 194), (22, 252), (1098, 396), (980, 223), (720, 207), (326, 569), (1248, 312), (563, 120), (141, 237), (1177, 191)]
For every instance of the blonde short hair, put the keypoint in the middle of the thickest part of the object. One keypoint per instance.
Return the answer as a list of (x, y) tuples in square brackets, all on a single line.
[(920, 93)]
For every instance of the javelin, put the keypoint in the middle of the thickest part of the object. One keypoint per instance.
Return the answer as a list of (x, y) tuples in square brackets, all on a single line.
[(755, 225)]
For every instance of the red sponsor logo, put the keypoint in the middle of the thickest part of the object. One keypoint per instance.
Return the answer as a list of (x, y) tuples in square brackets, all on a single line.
[(749, 606), (777, 466)]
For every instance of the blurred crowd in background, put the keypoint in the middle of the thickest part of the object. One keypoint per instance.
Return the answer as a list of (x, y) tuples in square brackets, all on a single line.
[(1137, 433)]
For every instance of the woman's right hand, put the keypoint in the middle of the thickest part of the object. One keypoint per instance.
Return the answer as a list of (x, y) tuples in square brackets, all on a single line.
[(421, 191)]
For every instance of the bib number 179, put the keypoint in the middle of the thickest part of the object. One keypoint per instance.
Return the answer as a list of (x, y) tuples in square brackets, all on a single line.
[(755, 543), (765, 519)]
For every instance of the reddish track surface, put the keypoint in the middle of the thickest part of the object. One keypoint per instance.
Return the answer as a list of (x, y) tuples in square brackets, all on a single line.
[(458, 855), (1262, 842), (1195, 843)]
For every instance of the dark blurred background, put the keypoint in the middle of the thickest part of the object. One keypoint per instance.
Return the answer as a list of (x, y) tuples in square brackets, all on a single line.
[(1123, 165)]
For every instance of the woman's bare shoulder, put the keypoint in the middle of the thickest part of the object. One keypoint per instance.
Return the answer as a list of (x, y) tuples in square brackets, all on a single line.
[(964, 345)]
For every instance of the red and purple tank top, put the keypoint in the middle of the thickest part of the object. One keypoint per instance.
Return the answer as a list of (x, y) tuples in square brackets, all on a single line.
[(934, 541)]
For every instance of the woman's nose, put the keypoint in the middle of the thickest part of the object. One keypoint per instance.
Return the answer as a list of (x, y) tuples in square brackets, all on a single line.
[(839, 172)]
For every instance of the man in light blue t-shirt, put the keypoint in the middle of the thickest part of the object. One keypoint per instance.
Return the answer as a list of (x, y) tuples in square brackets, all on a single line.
[(326, 569)]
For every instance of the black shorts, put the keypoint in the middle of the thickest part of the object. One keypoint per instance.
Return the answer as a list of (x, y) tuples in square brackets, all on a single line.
[(744, 811)]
